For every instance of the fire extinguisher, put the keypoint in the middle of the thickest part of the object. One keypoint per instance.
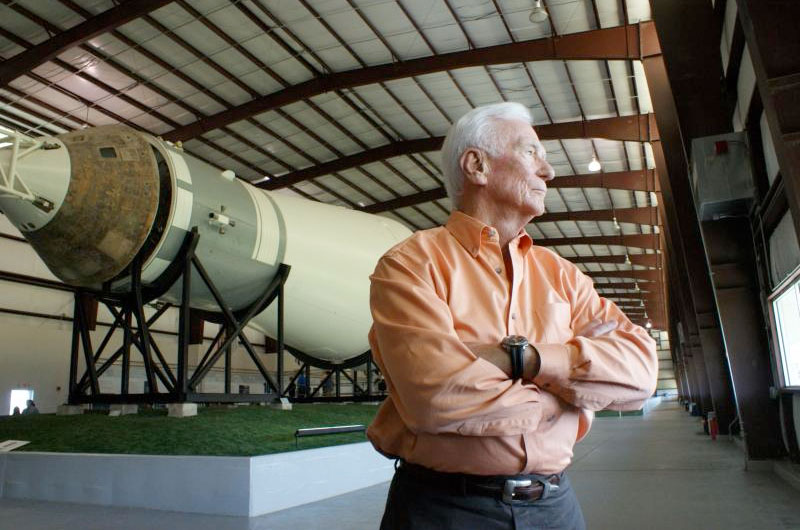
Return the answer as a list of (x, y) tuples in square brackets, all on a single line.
[(713, 425)]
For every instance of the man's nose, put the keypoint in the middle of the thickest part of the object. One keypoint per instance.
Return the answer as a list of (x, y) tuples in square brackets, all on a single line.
[(546, 171)]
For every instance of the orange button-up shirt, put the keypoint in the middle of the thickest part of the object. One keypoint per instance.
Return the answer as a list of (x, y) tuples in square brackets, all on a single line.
[(452, 411)]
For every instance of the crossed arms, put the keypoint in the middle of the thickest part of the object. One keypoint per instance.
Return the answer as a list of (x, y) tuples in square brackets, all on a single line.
[(440, 385)]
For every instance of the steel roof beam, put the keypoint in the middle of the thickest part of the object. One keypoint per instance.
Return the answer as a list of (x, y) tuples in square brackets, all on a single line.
[(646, 215), (645, 286), (641, 180), (626, 240), (637, 180), (632, 41), (636, 128), (24, 62), (646, 260), (649, 275)]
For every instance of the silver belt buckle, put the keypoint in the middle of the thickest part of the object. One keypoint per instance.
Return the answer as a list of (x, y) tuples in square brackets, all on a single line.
[(510, 485)]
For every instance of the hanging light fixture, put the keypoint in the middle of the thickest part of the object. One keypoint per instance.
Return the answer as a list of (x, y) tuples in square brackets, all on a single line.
[(648, 324), (641, 303), (539, 13), (594, 165), (616, 224), (636, 286), (627, 259)]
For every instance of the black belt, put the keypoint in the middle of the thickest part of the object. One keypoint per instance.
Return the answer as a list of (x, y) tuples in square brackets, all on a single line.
[(515, 488)]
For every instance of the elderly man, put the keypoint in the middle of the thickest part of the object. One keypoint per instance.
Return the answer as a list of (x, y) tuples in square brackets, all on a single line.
[(495, 351)]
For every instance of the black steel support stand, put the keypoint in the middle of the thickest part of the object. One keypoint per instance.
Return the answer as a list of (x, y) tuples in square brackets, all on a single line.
[(164, 385)]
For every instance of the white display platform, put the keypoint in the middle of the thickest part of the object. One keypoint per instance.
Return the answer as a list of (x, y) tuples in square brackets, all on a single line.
[(245, 486)]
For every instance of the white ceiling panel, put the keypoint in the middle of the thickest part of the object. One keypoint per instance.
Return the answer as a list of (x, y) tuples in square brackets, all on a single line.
[(590, 81), (392, 113), (555, 90), (570, 16), (609, 12), (638, 11)]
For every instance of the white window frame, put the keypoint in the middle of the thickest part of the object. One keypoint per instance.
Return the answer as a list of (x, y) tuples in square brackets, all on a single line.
[(791, 282)]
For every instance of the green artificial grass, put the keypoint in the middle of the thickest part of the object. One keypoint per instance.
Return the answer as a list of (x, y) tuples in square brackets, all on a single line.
[(220, 431)]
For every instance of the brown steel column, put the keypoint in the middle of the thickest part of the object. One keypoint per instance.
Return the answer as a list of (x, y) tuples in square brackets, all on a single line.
[(673, 172), (694, 360), (729, 244), (770, 28)]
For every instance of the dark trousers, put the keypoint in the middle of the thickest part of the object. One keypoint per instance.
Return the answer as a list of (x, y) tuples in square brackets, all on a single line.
[(415, 504)]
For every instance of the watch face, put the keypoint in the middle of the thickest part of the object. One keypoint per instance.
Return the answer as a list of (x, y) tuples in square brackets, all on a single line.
[(515, 340)]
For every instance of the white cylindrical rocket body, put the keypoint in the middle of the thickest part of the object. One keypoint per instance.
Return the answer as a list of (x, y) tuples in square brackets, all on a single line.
[(118, 195)]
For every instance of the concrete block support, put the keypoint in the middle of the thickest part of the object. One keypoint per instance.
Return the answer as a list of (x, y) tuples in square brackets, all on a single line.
[(283, 404), (69, 410), (125, 409), (181, 410)]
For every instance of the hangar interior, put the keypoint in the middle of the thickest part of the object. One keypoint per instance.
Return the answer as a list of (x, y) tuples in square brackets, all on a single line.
[(672, 126)]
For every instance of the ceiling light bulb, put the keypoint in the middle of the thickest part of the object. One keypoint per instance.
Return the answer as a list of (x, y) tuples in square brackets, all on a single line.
[(616, 224), (641, 303), (627, 260), (594, 165), (648, 324), (636, 286), (539, 13)]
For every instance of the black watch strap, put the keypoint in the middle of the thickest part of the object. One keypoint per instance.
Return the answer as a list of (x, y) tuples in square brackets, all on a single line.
[(516, 362), (515, 345)]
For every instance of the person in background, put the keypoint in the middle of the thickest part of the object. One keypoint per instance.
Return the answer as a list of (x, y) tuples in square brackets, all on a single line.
[(31, 408), (302, 385), (327, 386), (16, 412)]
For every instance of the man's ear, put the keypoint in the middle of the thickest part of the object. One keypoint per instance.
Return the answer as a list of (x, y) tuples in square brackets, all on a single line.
[(474, 166)]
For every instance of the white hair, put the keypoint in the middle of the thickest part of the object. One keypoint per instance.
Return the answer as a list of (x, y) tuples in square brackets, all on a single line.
[(477, 128)]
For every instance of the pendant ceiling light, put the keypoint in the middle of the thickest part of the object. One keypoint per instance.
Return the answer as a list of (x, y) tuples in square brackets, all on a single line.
[(539, 13), (594, 165)]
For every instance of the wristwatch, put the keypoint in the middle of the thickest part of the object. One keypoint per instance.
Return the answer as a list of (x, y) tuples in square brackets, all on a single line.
[(515, 345)]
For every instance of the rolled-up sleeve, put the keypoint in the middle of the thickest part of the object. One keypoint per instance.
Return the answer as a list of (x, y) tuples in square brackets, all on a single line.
[(437, 384), (618, 370)]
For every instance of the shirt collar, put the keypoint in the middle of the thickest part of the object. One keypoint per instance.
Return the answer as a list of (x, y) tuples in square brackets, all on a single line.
[(472, 233)]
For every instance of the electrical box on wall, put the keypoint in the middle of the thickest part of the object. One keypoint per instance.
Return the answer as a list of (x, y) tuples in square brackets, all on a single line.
[(722, 178)]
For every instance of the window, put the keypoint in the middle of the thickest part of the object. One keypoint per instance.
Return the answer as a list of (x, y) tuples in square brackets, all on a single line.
[(785, 313), (19, 398), (108, 152)]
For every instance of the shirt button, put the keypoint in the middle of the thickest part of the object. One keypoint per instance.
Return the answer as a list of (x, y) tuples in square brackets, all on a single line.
[(498, 270), (513, 316)]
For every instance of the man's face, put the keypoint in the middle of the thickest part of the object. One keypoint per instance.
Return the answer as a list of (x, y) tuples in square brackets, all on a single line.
[(517, 177)]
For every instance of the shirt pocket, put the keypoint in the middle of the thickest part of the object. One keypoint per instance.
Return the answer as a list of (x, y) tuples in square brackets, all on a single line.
[(555, 319)]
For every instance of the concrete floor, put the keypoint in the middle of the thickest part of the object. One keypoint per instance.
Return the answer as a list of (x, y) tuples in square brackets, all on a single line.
[(657, 472)]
